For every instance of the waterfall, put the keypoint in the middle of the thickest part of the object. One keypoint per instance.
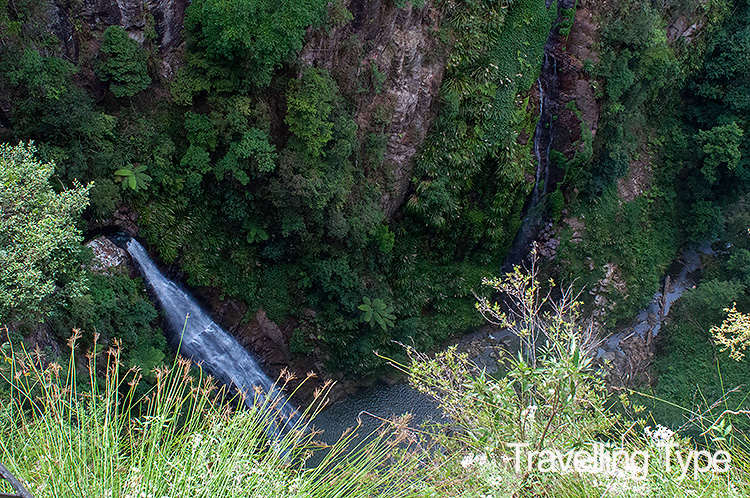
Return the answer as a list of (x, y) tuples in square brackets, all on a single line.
[(215, 350), (543, 138)]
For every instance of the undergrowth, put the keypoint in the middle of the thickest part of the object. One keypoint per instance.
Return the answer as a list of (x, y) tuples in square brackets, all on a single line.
[(68, 436)]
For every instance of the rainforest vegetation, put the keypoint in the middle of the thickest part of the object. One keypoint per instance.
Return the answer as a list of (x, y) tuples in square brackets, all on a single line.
[(249, 176)]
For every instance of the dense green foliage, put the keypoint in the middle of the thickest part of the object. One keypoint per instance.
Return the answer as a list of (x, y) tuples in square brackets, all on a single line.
[(716, 125), (690, 369), (40, 244), (470, 180), (636, 238), (122, 63), (642, 79), (495, 58), (240, 43), (285, 221), (692, 374), (253, 177), (666, 125), (116, 308)]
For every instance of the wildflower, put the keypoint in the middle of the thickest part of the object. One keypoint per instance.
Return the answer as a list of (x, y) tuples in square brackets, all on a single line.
[(662, 435), (479, 459)]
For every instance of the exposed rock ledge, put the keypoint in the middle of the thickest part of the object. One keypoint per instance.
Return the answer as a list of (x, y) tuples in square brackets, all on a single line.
[(403, 46), (134, 16)]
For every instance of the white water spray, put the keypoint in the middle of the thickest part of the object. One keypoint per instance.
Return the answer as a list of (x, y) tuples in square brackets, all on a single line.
[(215, 350)]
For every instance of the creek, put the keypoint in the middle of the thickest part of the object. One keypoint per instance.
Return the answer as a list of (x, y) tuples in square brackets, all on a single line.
[(223, 357), (647, 323)]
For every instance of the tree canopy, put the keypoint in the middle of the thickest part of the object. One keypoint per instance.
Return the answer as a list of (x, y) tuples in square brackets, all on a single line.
[(39, 242), (122, 63), (250, 36)]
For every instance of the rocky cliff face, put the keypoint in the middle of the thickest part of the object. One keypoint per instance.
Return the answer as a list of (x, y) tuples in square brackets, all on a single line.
[(162, 18), (390, 61), (576, 87)]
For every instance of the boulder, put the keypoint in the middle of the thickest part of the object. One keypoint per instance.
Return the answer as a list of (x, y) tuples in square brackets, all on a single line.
[(106, 255)]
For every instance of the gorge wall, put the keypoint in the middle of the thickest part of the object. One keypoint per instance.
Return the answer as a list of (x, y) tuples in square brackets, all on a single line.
[(389, 61), (398, 53), (75, 25)]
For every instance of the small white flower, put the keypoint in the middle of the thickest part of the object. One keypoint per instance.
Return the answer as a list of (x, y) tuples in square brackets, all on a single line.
[(196, 440), (662, 435), (472, 459), (529, 411)]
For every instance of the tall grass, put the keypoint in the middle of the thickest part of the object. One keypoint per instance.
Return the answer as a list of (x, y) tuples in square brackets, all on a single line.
[(67, 436), (92, 435)]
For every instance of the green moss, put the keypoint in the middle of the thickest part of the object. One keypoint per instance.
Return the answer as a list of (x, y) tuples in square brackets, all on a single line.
[(567, 16)]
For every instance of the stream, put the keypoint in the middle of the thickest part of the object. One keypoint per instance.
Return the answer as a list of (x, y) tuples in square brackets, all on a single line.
[(647, 323), (223, 357)]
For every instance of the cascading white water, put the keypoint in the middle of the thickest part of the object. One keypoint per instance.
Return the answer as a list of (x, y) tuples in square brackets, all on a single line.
[(217, 352)]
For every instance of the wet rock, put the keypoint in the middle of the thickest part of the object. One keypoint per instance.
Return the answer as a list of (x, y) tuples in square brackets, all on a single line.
[(134, 16), (264, 337), (391, 379), (42, 339), (578, 107), (681, 27), (125, 218), (229, 313)]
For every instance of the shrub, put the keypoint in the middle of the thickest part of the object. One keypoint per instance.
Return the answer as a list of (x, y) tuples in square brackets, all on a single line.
[(556, 203), (550, 399), (309, 107), (550, 396), (40, 244), (247, 39)]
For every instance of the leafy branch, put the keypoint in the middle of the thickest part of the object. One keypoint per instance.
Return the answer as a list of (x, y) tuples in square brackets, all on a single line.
[(377, 312), (133, 177)]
